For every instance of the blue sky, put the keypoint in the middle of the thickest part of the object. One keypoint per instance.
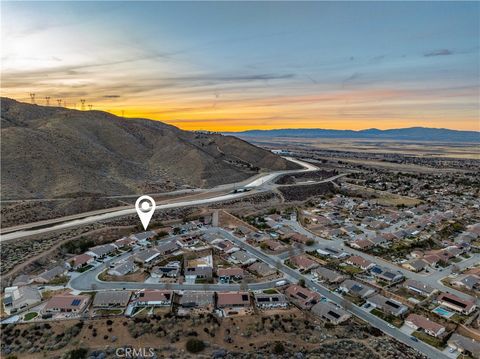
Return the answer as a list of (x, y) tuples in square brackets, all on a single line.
[(225, 65)]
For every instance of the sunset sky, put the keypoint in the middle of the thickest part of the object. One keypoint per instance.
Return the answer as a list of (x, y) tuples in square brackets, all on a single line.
[(226, 66)]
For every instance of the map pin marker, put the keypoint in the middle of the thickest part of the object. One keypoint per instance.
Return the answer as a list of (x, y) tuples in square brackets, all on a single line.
[(145, 206)]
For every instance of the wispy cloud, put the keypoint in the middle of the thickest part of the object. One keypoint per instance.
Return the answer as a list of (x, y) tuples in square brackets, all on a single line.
[(441, 52)]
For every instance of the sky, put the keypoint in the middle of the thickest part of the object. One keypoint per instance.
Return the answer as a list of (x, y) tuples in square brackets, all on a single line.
[(228, 66)]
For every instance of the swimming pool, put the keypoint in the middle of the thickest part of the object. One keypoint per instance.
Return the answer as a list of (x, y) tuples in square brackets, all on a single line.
[(442, 312)]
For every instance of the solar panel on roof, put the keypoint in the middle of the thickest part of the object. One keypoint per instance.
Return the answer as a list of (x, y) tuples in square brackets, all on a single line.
[(356, 287), (76, 302)]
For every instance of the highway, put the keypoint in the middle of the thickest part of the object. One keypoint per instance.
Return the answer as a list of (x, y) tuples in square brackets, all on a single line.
[(259, 184)]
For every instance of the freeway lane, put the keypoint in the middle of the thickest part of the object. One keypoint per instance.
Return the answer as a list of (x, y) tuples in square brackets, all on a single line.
[(256, 185)]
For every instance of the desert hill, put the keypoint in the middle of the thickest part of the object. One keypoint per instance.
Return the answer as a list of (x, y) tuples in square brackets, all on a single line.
[(51, 152)]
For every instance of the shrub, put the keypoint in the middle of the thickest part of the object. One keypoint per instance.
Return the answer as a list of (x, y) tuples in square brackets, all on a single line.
[(195, 345), (278, 348), (80, 353)]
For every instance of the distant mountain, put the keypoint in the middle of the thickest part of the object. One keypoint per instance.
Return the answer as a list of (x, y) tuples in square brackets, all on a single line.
[(50, 152), (406, 134)]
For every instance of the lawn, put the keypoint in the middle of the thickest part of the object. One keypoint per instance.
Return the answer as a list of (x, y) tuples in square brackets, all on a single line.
[(387, 317), (30, 316), (424, 337), (84, 269), (270, 291), (350, 269), (109, 311)]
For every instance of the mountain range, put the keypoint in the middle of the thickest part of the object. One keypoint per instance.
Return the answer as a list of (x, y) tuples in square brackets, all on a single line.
[(52, 152), (401, 134)]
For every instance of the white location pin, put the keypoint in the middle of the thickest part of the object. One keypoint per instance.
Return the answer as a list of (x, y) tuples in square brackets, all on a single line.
[(145, 206)]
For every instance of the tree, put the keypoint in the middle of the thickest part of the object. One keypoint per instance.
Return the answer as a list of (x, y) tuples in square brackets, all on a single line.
[(301, 282)]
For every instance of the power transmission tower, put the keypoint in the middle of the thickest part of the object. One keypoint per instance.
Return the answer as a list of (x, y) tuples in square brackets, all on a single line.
[(59, 101), (47, 98), (90, 107), (83, 104), (32, 97)]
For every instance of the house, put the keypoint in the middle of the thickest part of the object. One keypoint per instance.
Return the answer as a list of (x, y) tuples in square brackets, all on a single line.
[(194, 299), (416, 322), (299, 238), (49, 275), (361, 244), (152, 298), (225, 246), (228, 274), (359, 262), (456, 303), (22, 280), (386, 275), (270, 301), (143, 236), (301, 296), (198, 272), (387, 305), (146, 256), (330, 312), (332, 252), (273, 245), (17, 298), (468, 281), (112, 299), (431, 259), (303, 263), (465, 345), (233, 299), (327, 275), (242, 257), (123, 268), (80, 261), (420, 288), (356, 289), (261, 269), (378, 240), (415, 265), (99, 252), (124, 242), (66, 303), (165, 271), (167, 247)]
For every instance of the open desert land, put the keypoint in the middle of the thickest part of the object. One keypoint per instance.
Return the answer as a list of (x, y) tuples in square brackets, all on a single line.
[(412, 148)]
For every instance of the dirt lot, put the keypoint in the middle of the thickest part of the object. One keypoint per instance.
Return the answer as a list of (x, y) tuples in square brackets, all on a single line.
[(297, 332)]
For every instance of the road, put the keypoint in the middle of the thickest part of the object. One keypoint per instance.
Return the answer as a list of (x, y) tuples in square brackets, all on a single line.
[(432, 279), (259, 184)]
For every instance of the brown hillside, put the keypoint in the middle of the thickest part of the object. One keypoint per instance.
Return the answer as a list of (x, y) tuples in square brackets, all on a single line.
[(50, 152)]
